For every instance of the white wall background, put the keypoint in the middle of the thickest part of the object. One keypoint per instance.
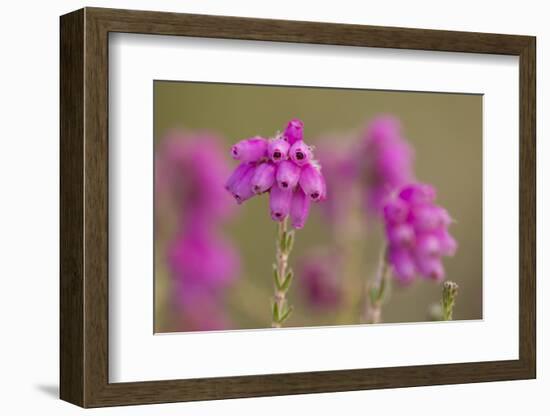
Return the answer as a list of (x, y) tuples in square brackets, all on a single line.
[(29, 158)]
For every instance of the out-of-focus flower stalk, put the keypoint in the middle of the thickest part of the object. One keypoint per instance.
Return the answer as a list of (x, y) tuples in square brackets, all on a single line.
[(282, 275), (450, 291), (377, 291)]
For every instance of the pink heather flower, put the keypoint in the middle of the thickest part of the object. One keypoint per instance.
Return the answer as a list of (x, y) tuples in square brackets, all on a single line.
[(288, 175), (417, 232), (291, 181), (250, 150), (279, 203), (319, 280), (300, 153), (190, 170), (263, 178), (237, 175), (389, 160), (199, 257), (294, 131), (312, 182), (299, 208), (241, 188), (277, 150)]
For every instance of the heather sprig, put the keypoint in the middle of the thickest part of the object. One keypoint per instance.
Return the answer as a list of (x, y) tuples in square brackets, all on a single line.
[(190, 171), (283, 166), (450, 292), (417, 233), (387, 158)]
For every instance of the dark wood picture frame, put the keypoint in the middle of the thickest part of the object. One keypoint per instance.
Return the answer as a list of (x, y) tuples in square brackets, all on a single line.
[(84, 207)]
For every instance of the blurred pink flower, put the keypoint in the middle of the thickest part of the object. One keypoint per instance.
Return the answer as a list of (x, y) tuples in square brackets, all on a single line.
[(191, 169), (388, 159), (417, 233), (341, 175), (200, 257), (283, 166), (319, 279)]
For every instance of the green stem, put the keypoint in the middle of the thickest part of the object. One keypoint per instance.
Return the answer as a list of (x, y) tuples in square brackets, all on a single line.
[(450, 292), (282, 276), (377, 292)]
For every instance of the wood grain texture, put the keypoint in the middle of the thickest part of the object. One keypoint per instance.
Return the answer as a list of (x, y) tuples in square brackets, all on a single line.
[(71, 213), (84, 207)]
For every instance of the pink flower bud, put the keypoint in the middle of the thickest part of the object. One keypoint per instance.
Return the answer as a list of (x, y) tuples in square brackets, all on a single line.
[(395, 211), (242, 189), (263, 178), (236, 176), (299, 208), (428, 245), (288, 175), (400, 235), (300, 153), (294, 131), (312, 182), (277, 150), (418, 193), (429, 217), (403, 264), (447, 243), (279, 203), (250, 150), (431, 267)]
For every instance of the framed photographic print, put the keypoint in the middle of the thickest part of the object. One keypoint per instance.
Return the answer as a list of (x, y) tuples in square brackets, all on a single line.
[(256, 207)]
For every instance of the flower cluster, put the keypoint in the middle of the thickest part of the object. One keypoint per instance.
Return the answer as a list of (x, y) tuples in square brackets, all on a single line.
[(283, 166), (202, 265), (417, 232), (190, 172), (389, 161)]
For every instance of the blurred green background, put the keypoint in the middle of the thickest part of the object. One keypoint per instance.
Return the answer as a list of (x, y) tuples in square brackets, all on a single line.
[(445, 131)]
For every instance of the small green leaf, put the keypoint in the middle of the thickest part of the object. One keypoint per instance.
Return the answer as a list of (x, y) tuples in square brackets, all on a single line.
[(288, 280), (289, 243), (286, 315), (276, 277), (282, 241), (373, 295), (275, 311)]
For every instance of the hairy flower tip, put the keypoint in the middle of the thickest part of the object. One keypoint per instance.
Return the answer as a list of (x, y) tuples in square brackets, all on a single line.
[(312, 182), (320, 280), (388, 160), (288, 175), (294, 131), (277, 150), (299, 208), (250, 150), (300, 153), (417, 233), (279, 203), (263, 178)]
